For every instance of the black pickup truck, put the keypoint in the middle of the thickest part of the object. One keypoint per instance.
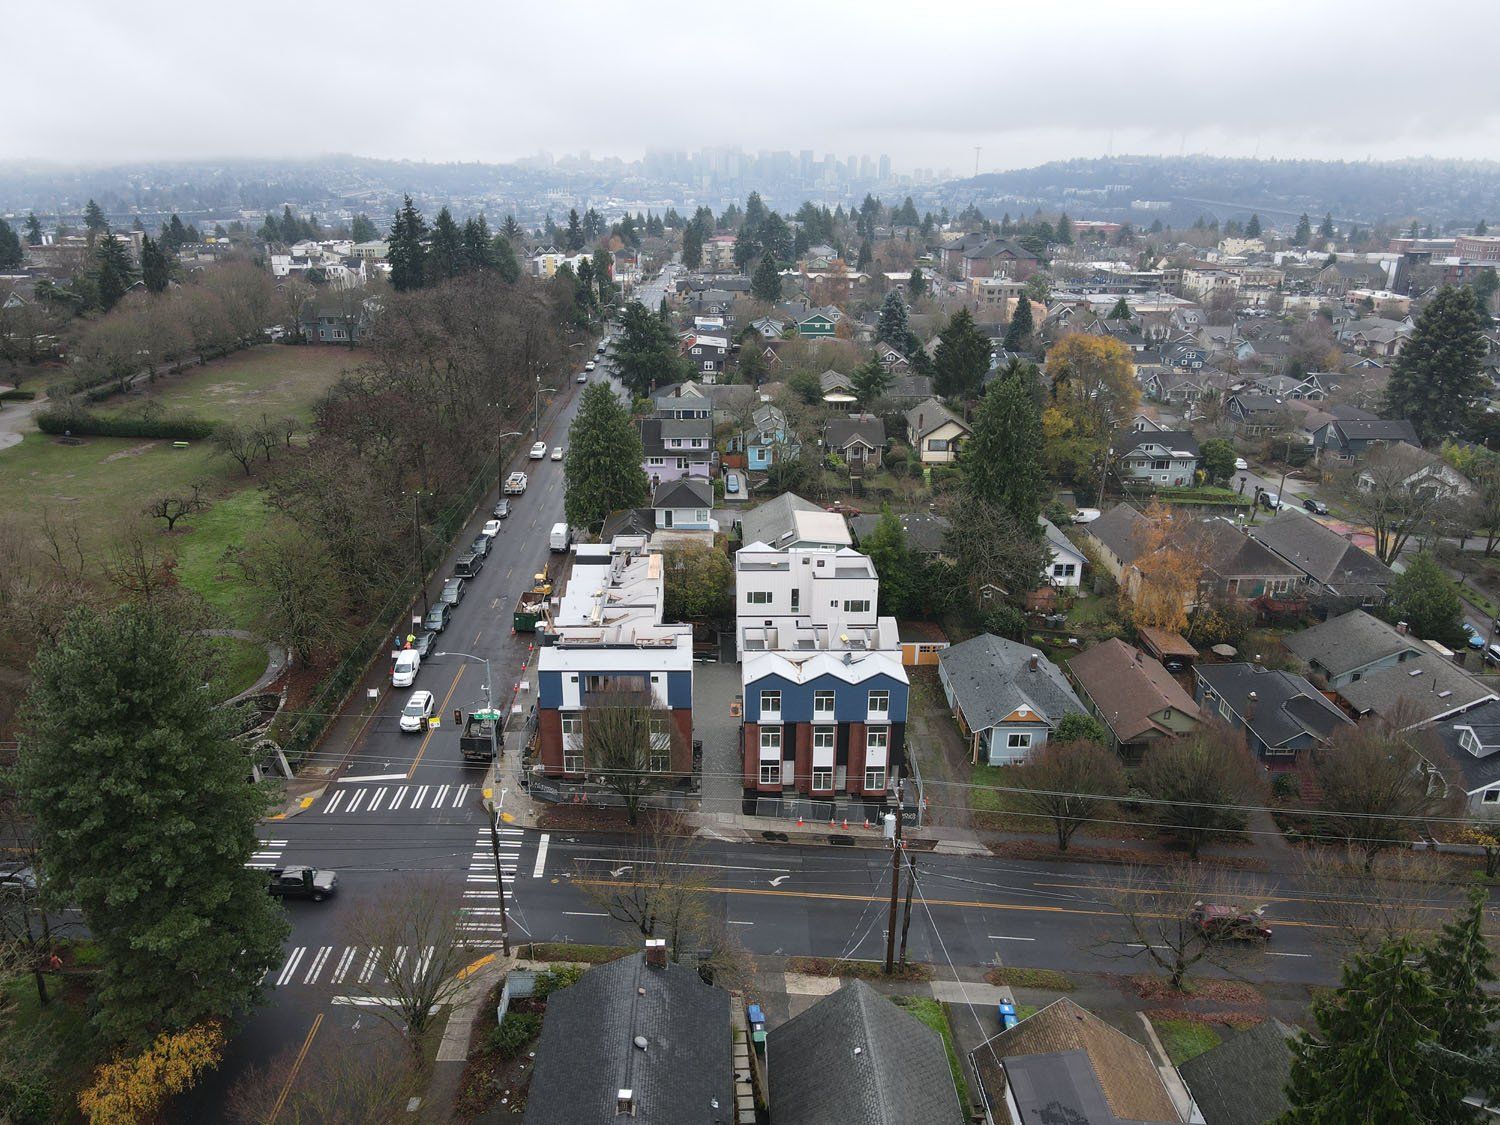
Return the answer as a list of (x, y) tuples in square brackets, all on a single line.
[(303, 882)]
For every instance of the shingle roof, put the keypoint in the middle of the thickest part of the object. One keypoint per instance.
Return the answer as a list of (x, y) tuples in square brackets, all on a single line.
[(1120, 529), (686, 428), (1126, 1085), (768, 522), (857, 1059), (1243, 1080), (1378, 429), (586, 1054), (868, 428), (1175, 440), (1129, 687), (1432, 685), (1477, 771), (909, 386), (1287, 706), (928, 415), (1350, 642), (1230, 553), (992, 677), (684, 493), (1325, 556), (925, 531)]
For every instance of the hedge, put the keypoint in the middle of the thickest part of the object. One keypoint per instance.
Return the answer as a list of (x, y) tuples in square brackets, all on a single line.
[(178, 427), (17, 396)]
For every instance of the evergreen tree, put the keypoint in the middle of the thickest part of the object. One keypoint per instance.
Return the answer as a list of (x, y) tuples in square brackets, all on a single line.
[(407, 256), (587, 293), (1064, 233), (1436, 379), (963, 356), (1121, 311), (1252, 228), (1481, 227), (646, 350), (887, 549), (628, 234), (94, 221), (866, 256), (1002, 461), (692, 245), (1484, 286), (869, 381), (892, 327), (918, 283), (270, 230), (145, 820), (11, 253), (603, 472), (1018, 331), (504, 256), (511, 230), (445, 254), (478, 248), (593, 225), (1326, 229), (573, 240), (1459, 962), (33, 230), (362, 229), (156, 269), (113, 272), (1303, 234), (604, 263), (1363, 1061), (292, 229), (765, 285)]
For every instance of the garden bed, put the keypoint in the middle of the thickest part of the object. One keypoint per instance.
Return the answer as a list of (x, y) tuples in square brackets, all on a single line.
[(866, 970)]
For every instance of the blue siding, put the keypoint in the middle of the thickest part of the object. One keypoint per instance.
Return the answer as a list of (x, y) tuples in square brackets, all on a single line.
[(850, 701), (679, 690), (549, 692)]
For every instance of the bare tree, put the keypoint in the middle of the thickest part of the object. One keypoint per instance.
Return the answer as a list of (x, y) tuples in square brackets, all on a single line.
[(1202, 782), (1363, 903), (1156, 907), (237, 442), (139, 568), (629, 743), (300, 596), (1070, 783), (173, 506), (1384, 494), (364, 1077), (267, 436), (1483, 508), (413, 932)]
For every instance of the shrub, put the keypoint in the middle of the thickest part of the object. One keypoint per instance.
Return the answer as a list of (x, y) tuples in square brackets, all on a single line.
[(176, 427), (514, 1032), (1286, 785), (559, 976), (17, 396)]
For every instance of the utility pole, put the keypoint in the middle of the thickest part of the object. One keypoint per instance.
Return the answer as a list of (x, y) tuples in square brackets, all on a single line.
[(911, 878), (890, 928), (494, 811), (416, 524), (1103, 476)]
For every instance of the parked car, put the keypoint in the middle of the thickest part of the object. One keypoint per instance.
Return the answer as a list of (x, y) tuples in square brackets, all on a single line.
[(538, 451), (1271, 500), (583, 377), (405, 666), (491, 528), (557, 453), (1240, 464), (1474, 637), (426, 641), (590, 365), (1229, 923), (843, 509), (731, 484), (1086, 515), (437, 617), (502, 510), (1317, 507), (469, 565), (453, 590), (418, 711)]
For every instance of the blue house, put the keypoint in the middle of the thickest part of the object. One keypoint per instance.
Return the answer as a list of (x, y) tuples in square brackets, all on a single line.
[(1282, 714), (768, 438), (684, 505)]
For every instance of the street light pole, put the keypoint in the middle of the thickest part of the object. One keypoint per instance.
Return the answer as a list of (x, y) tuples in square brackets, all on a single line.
[(416, 524), (890, 929), (494, 811), (500, 464)]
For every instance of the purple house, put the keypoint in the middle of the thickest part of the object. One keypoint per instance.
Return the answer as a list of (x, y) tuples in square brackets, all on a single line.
[(675, 448)]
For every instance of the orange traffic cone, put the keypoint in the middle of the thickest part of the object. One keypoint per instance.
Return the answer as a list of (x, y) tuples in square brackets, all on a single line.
[(831, 823), (846, 822), (799, 820), (867, 823)]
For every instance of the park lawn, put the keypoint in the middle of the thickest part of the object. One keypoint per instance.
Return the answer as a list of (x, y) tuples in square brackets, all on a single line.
[(243, 662), (1184, 1039), (930, 1012), (203, 550), (275, 380)]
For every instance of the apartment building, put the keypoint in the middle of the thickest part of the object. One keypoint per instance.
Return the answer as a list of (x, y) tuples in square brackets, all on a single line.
[(807, 599), (604, 636)]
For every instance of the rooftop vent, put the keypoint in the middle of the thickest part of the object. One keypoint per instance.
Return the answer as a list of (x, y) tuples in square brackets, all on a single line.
[(625, 1103), (641, 1042)]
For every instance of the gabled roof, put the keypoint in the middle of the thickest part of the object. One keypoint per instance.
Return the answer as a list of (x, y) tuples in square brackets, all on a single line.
[(909, 386), (930, 415), (701, 428), (992, 677), (857, 1059), (925, 531), (1229, 553), (1325, 556), (1475, 770), (1243, 1080), (1378, 429), (840, 433), (1287, 707), (1129, 688), (834, 380), (684, 493), (1066, 1064), (1350, 642), (770, 523), (1057, 540), (1179, 442), (1121, 529), (587, 1053)]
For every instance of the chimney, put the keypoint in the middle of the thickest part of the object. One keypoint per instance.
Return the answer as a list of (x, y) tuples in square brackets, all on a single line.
[(1402, 627), (1034, 662), (1250, 701), (656, 953)]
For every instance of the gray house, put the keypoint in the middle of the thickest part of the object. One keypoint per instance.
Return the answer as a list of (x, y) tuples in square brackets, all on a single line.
[(1472, 744), (1006, 697), (1282, 714), (1166, 458), (1351, 438), (1337, 572), (858, 438), (856, 1057)]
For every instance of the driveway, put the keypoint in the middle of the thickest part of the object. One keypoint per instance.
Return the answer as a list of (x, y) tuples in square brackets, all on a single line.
[(715, 686), (16, 423)]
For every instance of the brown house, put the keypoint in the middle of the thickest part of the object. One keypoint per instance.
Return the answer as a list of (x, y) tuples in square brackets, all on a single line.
[(1133, 695)]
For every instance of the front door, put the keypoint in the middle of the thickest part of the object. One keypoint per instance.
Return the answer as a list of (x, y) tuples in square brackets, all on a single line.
[(666, 517)]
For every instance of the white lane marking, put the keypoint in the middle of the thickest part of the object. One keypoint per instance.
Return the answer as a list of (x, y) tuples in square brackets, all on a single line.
[(363, 1001), (317, 964), (357, 800), (342, 968), (378, 799), (1007, 937), (374, 777), (541, 856), (1270, 954), (291, 965), (732, 922), (369, 967), (583, 914), (396, 964), (397, 799), (437, 800), (459, 797), (420, 797), (335, 801)]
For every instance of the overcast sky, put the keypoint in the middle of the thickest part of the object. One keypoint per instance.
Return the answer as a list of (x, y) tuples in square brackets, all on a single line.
[(100, 81)]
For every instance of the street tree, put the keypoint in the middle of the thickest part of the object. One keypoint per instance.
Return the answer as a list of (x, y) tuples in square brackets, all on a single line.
[(629, 744), (1070, 784), (1002, 461), (146, 822), (1425, 598), (366, 1076), (699, 584), (869, 381), (414, 932), (1154, 909), (138, 1087), (646, 351), (765, 284), (962, 357), (1383, 494), (1200, 784), (1093, 383), (1375, 783), (1018, 331), (603, 472), (1360, 906), (1436, 380), (156, 267), (1218, 459), (406, 254)]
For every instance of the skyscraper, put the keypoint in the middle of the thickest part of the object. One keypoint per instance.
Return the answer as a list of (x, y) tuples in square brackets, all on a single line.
[(885, 168)]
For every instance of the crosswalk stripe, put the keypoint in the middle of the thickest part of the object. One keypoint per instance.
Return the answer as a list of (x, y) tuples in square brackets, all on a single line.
[(421, 796), (317, 965), (442, 793), (291, 965), (357, 800), (364, 973), (460, 796), (541, 856), (335, 802), (378, 799), (343, 966), (396, 962), (398, 798)]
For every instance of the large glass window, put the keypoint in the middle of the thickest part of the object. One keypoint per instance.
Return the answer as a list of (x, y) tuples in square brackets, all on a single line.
[(770, 772), (770, 703)]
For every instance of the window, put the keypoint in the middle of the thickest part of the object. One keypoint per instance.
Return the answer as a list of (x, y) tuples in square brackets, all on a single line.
[(874, 778), (659, 763), (1064, 570), (937, 445), (823, 739), (656, 460), (1223, 709), (697, 351), (757, 597), (857, 606), (1161, 464), (770, 743), (572, 763), (1491, 796), (1018, 740), (876, 739), (797, 598), (822, 777), (572, 723), (682, 462), (700, 515), (770, 772), (823, 704), (880, 703), (660, 739), (1467, 740), (615, 682), (697, 443)]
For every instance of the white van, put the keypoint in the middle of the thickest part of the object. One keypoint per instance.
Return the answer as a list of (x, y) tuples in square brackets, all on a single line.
[(560, 537), (404, 670)]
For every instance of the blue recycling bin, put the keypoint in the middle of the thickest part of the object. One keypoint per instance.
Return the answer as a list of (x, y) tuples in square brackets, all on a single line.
[(1007, 1013)]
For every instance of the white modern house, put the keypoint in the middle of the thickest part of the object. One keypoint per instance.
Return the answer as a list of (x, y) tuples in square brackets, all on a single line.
[(807, 599)]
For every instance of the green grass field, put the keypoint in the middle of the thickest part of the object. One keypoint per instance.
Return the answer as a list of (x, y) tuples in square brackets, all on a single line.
[(271, 380), (1184, 1039)]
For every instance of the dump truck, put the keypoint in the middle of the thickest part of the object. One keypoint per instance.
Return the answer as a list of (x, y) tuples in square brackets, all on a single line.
[(515, 484), (531, 606), (481, 739)]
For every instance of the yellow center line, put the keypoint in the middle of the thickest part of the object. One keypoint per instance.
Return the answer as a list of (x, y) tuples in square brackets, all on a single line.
[(296, 1066), (442, 710), (1258, 898)]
